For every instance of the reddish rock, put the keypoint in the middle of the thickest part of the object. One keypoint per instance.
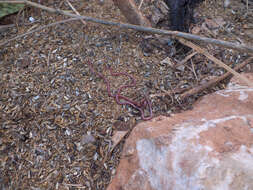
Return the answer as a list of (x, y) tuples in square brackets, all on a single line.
[(207, 148)]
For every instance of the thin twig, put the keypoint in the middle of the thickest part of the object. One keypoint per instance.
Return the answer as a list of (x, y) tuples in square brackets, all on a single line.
[(3, 27), (193, 70), (188, 57), (38, 29), (214, 81), (73, 8), (30, 29), (79, 186), (215, 60), (169, 92), (239, 47), (140, 5)]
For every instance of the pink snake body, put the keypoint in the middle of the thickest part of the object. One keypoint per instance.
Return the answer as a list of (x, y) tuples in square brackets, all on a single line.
[(141, 105)]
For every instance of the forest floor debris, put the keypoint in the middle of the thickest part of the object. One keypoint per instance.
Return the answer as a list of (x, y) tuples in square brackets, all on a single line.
[(57, 122)]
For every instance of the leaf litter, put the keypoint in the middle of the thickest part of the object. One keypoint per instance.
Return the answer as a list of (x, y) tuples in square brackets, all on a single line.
[(59, 128)]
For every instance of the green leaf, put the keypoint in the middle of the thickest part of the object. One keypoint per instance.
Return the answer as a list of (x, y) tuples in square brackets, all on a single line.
[(9, 8)]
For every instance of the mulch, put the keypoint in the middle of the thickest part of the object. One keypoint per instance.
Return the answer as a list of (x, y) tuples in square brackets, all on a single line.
[(56, 118)]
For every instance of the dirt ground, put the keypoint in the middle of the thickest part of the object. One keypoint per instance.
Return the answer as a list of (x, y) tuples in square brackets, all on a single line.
[(56, 118)]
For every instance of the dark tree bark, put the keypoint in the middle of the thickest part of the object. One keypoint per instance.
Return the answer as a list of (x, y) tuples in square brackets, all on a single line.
[(181, 13)]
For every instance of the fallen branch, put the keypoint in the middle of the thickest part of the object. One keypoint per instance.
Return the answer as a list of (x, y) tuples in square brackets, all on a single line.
[(38, 29), (214, 81), (242, 48), (215, 60)]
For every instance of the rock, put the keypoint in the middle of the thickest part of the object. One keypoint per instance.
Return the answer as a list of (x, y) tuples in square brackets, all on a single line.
[(87, 139), (207, 148)]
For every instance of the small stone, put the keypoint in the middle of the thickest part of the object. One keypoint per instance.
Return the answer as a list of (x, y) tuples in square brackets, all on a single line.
[(87, 139)]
